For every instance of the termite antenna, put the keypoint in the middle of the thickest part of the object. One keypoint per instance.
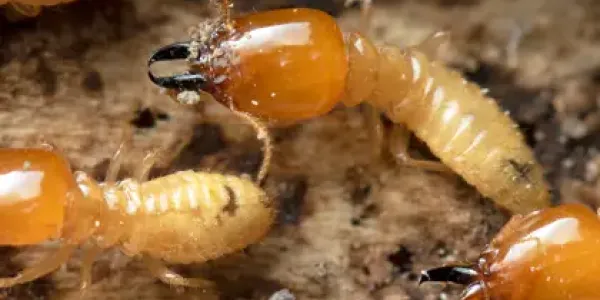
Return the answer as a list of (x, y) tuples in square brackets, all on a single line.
[(116, 161), (186, 81), (262, 133), (366, 13), (456, 274), (226, 11)]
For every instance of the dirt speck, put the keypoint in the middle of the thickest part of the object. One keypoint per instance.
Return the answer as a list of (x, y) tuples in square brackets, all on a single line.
[(92, 81)]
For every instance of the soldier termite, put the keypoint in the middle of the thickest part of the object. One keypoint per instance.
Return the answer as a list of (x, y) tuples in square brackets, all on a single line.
[(548, 254), (288, 65)]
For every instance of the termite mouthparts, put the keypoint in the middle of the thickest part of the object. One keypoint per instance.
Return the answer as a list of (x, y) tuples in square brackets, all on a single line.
[(290, 65), (455, 274), (184, 82)]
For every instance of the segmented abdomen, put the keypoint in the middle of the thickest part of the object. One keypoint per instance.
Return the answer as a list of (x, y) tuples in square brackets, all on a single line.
[(465, 129), (202, 193), (193, 217)]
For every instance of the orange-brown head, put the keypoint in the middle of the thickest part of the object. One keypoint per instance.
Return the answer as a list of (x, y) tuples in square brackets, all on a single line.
[(35, 187), (549, 254), (282, 65)]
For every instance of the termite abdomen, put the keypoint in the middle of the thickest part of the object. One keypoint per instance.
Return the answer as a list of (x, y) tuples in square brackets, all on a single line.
[(467, 130), (193, 217)]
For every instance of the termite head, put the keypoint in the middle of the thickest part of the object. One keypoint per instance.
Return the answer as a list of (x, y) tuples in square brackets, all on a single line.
[(543, 244), (36, 188), (282, 65), (40, 199), (464, 275)]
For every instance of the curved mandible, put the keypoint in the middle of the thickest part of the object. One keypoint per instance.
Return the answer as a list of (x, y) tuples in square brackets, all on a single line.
[(186, 81)]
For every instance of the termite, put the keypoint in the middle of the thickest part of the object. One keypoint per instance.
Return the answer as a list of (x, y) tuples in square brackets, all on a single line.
[(550, 254), (184, 217), (288, 65), (31, 8)]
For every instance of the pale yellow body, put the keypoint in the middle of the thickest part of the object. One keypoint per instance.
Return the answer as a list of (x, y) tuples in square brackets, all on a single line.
[(186, 216), (191, 217), (465, 129)]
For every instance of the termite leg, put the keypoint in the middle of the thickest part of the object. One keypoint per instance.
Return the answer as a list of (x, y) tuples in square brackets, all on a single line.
[(115, 164), (143, 172), (372, 115), (181, 139), (117, 160), (262, 133), (168, 276), (366, 14), (398, 144), (433, 45), (376, 129), (47, 265), (168, 154), (87, 264)]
